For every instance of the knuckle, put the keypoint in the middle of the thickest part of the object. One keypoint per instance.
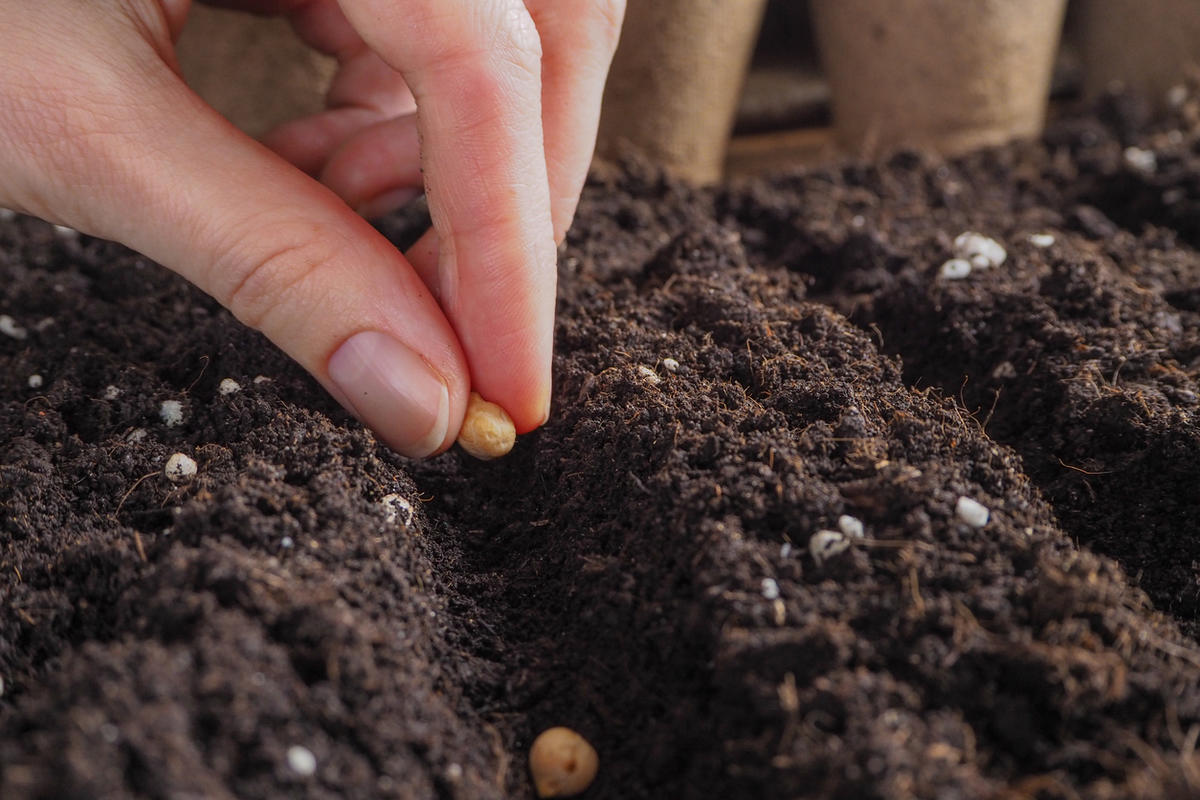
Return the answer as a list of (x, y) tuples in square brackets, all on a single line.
[(269, 279)]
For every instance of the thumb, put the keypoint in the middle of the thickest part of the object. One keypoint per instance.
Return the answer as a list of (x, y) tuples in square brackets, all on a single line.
[(152, 166)]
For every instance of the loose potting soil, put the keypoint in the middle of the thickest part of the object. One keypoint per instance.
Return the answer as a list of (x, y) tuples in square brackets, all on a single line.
[(737, 370)]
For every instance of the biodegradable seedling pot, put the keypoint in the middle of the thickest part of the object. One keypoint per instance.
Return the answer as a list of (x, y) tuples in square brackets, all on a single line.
[(1149, 46), (254, 70), (945, 74), (673, 89)]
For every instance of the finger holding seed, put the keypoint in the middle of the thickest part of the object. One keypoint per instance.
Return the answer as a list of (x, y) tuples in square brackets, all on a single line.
[(487, 431), (562, 763)]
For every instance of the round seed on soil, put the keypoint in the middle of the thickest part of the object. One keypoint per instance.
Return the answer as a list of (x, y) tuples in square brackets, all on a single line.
[(487, 430), (179, 468), (562, 763), (35, 381), (1042, 240)]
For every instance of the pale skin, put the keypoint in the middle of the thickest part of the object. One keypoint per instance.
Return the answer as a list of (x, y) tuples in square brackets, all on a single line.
[(491, 104)]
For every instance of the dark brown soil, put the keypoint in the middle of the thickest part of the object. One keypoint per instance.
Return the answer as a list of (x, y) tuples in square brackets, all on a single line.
[(735, 371)]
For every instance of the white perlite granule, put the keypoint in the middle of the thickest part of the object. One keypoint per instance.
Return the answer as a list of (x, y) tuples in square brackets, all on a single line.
[(301, 760), (971, 512), (179, 468), (826, 544), (9, 327), (851, 526), (171, 412), (982, 251), (397, 509), (955, 269), (1140, 160)]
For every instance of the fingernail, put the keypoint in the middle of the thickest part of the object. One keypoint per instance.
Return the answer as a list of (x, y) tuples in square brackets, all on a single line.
[(393, 391), (383, 204)]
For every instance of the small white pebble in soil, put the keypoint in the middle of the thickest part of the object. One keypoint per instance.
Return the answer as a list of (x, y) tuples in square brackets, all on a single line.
[(851, 526), (982, 251), (670, 365), (1141, 160), (649, 375), (179, 468), (171, 412), (971, 512), (261, 379), (1004, 371), (287, 543), (112, 392), (42, 324), (857, 221), (826, 544), (35, 381), (454, 772), (65, 232), (136, 435), (301, 760), (1042, 240), (770, 589), (1177, 95), (397, 509), (9, 327), (229, 386), (110, 733), (955, 269), (785, 550)]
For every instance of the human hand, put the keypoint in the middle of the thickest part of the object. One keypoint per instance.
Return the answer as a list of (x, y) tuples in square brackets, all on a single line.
[(98, 132)]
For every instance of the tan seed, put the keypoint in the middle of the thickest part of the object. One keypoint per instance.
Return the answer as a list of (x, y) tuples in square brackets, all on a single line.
[(487, 431), (562, 763)]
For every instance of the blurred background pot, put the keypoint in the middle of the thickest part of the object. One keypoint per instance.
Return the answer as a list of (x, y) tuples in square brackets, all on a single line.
[(254, 70), (673, 90), (945, 74), (1148, 46)]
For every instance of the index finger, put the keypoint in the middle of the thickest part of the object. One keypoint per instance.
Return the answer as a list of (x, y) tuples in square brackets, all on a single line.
[(474, 67)]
